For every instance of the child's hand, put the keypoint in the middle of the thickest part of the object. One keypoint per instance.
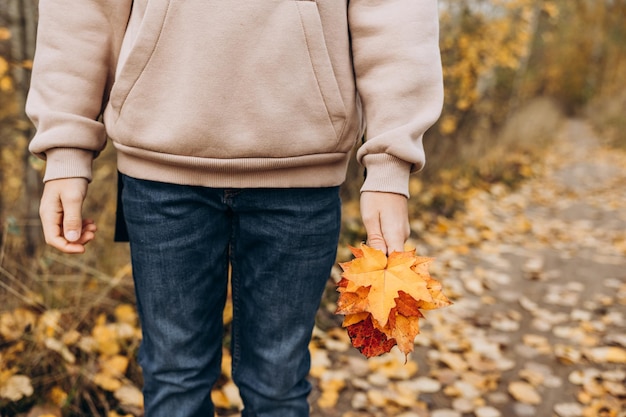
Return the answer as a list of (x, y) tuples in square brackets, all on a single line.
[(61, 215), (386, 220)]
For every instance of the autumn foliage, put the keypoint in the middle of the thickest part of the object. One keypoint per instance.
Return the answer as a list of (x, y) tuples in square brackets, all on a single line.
[(382, 299)]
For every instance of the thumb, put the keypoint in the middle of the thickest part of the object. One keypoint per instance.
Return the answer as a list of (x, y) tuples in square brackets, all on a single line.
[(377, 242), (72, 202), (375, 238)]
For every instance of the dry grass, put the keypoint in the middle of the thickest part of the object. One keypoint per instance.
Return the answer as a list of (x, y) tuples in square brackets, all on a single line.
[(75, 292)]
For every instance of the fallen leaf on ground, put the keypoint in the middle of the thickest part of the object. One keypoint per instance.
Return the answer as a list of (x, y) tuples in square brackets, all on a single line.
[(129, 395), (524, 392), (14, 324), (16, 387)]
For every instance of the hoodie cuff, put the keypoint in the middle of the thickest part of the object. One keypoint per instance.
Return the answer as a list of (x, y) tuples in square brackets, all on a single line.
[(386, 173), (68, 163)]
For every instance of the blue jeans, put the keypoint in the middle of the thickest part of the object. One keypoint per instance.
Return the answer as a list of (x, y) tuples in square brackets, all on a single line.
[(281, 245)]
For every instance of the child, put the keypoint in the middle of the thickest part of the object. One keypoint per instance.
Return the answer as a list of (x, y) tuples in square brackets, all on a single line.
[(233, 123)]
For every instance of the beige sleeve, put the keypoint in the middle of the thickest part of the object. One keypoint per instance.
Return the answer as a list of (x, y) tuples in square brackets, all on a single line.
[(76, 50), (395, 46)]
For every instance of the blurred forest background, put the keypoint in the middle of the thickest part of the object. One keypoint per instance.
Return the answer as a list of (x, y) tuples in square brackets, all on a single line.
[(514, 70)]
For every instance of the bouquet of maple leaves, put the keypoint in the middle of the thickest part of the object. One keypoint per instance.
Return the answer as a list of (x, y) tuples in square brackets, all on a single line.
[(382, 298)]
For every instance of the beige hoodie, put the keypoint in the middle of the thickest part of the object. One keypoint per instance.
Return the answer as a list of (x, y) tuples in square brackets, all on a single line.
[(245, 93)]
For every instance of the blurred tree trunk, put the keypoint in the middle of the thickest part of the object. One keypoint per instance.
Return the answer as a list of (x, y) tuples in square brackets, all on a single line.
[(516, 96), (21, 16)]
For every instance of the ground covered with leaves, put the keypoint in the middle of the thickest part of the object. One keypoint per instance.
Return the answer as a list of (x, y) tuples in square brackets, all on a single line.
[(537, 326)]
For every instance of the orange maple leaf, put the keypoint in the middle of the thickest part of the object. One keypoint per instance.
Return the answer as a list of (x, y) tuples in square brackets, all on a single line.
[(385, 276), (407, 305), (351, 319), (381, 298), (353, 302), (403, 329), (403, 324)]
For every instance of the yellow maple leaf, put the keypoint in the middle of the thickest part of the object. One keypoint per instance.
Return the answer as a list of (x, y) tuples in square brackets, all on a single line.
[(404, 330), (439, 299), (351, 319), (381, 298), (385, 276), (366, 259)]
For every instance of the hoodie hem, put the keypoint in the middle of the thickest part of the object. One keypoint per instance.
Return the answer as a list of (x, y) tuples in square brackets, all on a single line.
[(323, 170)]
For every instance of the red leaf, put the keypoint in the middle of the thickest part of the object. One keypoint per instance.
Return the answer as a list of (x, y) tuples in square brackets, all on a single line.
[(369, 340)]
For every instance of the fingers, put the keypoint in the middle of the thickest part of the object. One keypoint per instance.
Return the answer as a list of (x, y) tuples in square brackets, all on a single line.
[(395, 224), (61, 215), (88, 232), (72, 205), (375, 238), (385, 217)]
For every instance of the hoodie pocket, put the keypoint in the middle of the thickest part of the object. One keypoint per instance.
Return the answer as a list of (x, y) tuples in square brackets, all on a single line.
[(142, 35), (216, 78), (320, 61)]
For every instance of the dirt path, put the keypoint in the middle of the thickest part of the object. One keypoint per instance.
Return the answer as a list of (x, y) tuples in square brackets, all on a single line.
[(538, 327)]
